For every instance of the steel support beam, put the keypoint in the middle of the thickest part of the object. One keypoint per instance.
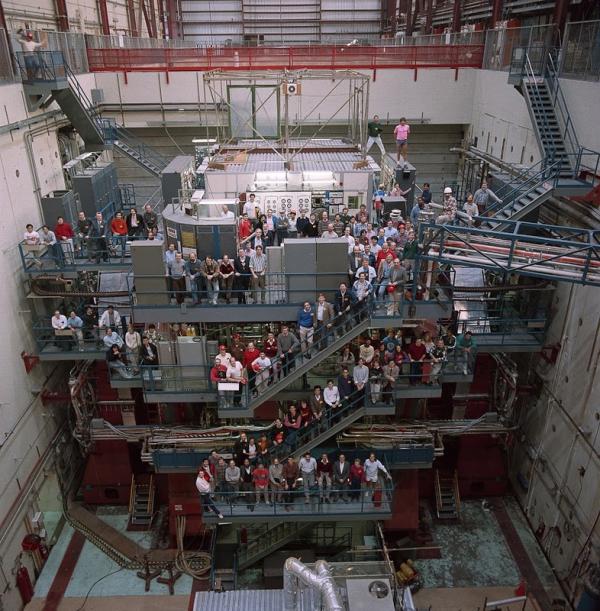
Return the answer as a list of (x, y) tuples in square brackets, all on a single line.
[(62, 16), (409, 17), (496, 12), (153, 19), (456, 16), (2, 18), (147, 18), (133, 29), (428, 16), (561, 10), (173, 19), (103, 12)]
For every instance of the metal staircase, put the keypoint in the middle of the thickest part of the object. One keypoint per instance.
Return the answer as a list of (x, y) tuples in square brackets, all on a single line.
[(53, 79), (447, 496), (141, 503), (270, 539), (338, 336)]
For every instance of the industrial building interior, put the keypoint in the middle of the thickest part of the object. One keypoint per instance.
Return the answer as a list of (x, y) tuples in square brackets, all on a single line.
[(304, 305)]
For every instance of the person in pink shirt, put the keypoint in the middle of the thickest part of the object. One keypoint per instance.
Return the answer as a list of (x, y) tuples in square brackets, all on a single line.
[(401, 132)]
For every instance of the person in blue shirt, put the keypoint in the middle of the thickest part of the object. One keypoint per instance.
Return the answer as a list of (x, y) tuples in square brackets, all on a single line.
[(426, 195), (76, 325), (306, 323), (416, 211), (390, 231)]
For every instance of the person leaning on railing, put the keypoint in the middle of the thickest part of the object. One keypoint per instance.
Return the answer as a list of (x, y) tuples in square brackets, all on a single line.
[(64, 234)]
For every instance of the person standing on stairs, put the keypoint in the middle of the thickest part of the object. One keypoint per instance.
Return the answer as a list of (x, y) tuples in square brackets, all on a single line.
[(401, 133), (482, 198)]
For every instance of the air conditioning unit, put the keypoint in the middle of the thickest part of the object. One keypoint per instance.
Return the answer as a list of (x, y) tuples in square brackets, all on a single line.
[(291, 88), (370, 595)]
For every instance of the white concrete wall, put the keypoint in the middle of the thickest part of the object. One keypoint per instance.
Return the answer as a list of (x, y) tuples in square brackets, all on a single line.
[(26, 426), (583, 101), (83, 15), (435, 96), (559, 440)]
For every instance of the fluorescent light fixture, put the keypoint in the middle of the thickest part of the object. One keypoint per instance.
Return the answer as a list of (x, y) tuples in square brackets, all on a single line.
[(204, 141)]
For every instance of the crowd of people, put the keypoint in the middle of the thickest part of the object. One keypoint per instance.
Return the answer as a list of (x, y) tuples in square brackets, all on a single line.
[(252, 475), (93, 239)]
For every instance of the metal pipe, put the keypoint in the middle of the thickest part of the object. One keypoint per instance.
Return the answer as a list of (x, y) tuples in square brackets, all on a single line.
[(322, 580)]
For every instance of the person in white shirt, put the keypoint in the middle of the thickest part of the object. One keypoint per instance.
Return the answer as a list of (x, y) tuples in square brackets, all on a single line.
[(227, 213), (350, 239), (29, 47), (372, 469), (331, 395), (30, 236), (203, 487), (250, 206), (308, 472), (59, 321), (471, 208), (330, 234), (261, 365), (236, 374), (110, 318), (133, 341)]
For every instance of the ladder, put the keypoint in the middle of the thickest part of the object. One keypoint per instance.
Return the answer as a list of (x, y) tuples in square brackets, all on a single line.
[(141, 502), (447, 496)]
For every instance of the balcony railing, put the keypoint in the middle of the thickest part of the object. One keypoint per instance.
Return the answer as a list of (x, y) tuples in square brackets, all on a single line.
[(306, 504)]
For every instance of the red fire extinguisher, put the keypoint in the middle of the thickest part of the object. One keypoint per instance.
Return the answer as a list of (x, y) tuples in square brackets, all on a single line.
[(24, 584)]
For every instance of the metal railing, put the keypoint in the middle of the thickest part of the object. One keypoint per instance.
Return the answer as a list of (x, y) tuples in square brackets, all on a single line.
[(580, 55), (309, 502), (179, 379), (6, 69), (287, 57)]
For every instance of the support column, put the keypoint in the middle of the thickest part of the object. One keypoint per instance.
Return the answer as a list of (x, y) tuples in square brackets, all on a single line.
[(428, 16), (496, 12), (133, 29), (409, 18), (103, 12), (62, 17), (2, 18), (173, 19), (456, 16), (561, 10)]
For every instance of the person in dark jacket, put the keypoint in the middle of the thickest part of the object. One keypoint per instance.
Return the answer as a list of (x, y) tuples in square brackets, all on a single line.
[(98, 247), (241, 284), (148, 352), (343, 306), (135, 224)]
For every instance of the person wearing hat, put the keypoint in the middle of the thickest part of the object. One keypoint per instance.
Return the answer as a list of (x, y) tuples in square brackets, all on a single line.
[(450, 207), (223, 355)]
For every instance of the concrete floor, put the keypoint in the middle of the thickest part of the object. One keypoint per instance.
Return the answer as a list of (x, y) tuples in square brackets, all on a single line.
[(118, 603), (467, 599), (474, 553)]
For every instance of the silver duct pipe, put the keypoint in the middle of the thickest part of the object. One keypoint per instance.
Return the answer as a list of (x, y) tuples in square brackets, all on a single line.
[(294, 571)]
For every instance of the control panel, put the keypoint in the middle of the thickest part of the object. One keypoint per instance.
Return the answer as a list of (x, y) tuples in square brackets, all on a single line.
[(283, 201)]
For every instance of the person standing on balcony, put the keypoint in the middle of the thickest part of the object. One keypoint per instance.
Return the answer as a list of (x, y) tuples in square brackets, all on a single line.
[(97, 238), (374, 129), (276, 481), (30, 48), (401, 133), (308, 472), (193, 269), (466, 348), (241, 284), (438, 357), (203, 487), (482, 197), (324, 476), (226, 271), (258, 269), (260, 478), (341, 479), (290, 473), (83, 229), (48, 238), (150, 219), (133, 341), (118, 228), (75, 323), (373, 468), (135, 224), (210, 272), (64, 234)]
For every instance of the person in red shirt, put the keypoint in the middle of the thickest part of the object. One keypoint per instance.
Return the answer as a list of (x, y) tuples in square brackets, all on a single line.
[(118, 228), (305, 412), (324, 476), (417, 353), (357, 478), (271, 351), (64, 234), (244, 228), (260, 478), (251, 353), (218, 373)]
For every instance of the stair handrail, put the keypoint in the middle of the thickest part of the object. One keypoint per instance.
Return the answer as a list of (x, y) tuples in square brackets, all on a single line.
[(456, 493), (150, 504), (132, 494), (532, 78), (88, 106), (548, 173), (438, 492), (559, 104), (127, 138)]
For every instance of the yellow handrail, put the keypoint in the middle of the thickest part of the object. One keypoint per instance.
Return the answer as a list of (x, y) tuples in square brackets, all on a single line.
[(456, 493)]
